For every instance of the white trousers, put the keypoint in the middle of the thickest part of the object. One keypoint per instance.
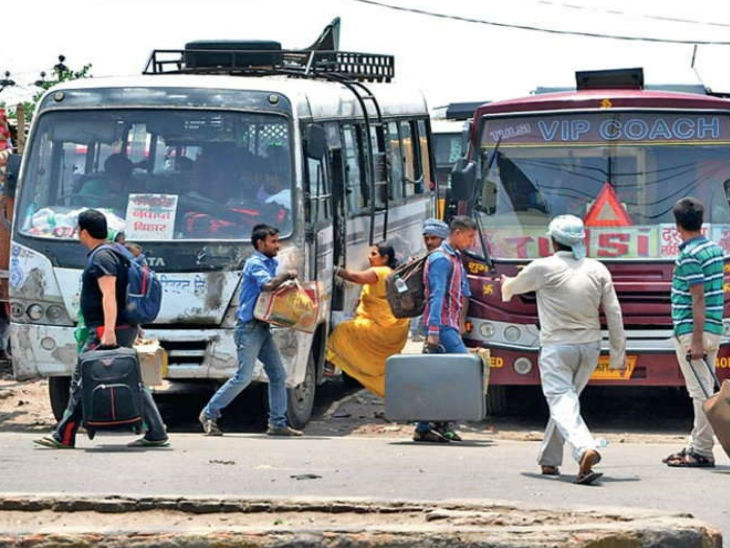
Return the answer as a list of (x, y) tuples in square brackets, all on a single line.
[(701, 438), (564, 372)]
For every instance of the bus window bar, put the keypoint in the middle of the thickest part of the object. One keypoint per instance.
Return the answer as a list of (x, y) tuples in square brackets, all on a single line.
[(355, 66)]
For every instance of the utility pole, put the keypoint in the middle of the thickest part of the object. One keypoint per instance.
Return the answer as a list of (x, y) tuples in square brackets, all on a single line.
[(20, 114)]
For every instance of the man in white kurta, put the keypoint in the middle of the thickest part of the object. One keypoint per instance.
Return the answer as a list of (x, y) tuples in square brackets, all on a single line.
[(571, 289)]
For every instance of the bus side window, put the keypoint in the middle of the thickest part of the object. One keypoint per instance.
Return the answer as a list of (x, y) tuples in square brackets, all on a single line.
[(425, 157), (355, 185), (411, 166), (379, 167), (395, 161)]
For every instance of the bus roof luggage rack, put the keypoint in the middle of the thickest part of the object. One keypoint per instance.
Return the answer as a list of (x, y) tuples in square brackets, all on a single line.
[(632, 78), (267, 58)]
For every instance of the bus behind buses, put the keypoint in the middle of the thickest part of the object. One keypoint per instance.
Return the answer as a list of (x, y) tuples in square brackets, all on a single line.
[(186, 159), (619, 157)]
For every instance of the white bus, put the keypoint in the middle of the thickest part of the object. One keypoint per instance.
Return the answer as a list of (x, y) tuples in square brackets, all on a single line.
[(205, 145)]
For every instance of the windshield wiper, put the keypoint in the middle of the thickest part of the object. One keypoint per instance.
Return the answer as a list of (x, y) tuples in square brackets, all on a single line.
[(478, 208)]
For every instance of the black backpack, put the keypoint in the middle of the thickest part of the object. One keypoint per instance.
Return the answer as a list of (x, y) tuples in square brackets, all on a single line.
[(405, 288)]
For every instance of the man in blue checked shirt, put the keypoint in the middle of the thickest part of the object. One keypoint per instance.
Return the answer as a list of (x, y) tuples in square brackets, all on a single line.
[(253, 339), (447, 293)]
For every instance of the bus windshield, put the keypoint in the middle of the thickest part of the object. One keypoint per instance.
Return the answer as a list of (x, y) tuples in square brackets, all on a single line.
[(620, 172), (158, 174)]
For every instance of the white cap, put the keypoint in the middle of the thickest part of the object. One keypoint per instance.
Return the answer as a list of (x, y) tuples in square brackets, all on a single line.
[(569, 230)]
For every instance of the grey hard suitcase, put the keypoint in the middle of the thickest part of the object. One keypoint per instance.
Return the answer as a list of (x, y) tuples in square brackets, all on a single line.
[(435, 387)]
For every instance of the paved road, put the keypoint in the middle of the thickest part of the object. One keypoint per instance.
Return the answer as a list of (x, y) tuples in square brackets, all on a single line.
[(255, 465)]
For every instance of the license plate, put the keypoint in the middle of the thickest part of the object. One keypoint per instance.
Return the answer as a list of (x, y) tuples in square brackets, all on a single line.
[(604, 373)]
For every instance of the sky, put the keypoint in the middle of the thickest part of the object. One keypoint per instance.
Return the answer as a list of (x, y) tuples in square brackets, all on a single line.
[(449, 60)]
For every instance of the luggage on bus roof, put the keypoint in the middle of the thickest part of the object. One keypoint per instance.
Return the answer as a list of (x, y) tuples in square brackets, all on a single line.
[(232, 53)]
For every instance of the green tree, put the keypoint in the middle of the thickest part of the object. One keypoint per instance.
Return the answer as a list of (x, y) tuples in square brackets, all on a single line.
[(59, 73)]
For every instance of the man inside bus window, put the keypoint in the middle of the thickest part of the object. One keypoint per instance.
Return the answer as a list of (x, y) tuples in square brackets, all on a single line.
[(111, 190), (278, 191), (571, 289), (697, 311)]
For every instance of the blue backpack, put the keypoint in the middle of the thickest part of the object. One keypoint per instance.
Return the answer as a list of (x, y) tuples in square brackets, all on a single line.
[(144, 289)]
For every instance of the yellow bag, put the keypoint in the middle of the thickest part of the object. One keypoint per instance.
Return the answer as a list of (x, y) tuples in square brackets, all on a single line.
[(291, 305)]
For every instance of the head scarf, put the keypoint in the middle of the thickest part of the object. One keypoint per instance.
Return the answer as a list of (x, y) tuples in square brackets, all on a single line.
[(435, 227), (568, 230)]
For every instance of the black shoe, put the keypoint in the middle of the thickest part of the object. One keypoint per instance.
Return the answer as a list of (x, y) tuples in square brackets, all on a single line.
[(429, 435)]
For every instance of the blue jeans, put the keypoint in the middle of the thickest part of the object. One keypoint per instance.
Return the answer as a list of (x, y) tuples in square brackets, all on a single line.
[(452, 342), (253, 340)]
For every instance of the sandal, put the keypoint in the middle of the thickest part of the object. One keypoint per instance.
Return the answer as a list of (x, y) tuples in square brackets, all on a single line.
[(52, 443), (550, 470), (689, 459), (675, 456), (586, 478), (586, 474)]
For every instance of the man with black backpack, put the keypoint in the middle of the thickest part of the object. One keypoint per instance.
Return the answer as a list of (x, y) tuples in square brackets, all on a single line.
[(104, 309)]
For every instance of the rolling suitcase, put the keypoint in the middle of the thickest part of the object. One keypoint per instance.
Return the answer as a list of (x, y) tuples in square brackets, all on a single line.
[(111, 390), (435, 387), (717, 406)]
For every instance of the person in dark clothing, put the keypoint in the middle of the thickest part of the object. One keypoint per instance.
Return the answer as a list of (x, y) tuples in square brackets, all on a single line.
[(103, 300)]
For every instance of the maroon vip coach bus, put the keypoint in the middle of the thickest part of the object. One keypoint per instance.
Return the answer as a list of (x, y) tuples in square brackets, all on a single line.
[(618, 156)]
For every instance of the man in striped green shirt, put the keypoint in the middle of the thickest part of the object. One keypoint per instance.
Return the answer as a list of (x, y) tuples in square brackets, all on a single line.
[(697, 307)]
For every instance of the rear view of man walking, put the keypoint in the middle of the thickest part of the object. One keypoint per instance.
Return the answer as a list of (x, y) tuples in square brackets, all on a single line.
[(570, 290)]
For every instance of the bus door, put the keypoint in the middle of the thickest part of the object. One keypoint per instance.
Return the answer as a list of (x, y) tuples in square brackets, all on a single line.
[(338, 209), (318, 208)]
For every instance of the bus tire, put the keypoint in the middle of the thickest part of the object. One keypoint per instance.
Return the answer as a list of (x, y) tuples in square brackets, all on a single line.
[(58, 392), (300, 399), (497, 401)]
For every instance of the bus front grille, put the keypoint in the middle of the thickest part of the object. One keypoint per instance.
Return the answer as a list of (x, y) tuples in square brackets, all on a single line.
[(185, 353)]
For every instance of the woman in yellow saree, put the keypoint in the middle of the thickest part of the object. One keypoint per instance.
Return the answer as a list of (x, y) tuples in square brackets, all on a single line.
[(360, 346)]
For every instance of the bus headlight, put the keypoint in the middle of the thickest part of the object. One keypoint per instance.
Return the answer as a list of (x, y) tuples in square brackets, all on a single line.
[(16, 310), (522, 366), (35, 312), (54, 313), (486, 330), (512, 333), (40, 313)]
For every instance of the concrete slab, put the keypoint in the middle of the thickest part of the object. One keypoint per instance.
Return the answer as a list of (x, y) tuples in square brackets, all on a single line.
[(109, 522)]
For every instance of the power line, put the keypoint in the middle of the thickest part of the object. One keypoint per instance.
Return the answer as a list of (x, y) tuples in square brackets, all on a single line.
[(542, 29), (611, 11)]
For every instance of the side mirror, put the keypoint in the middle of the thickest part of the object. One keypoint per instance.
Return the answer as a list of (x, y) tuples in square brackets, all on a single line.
[(12, 172), (463, 179), (316, 142)]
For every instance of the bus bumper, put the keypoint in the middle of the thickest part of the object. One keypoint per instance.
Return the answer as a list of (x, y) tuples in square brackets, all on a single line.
[(655, 368), (50, 351)]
